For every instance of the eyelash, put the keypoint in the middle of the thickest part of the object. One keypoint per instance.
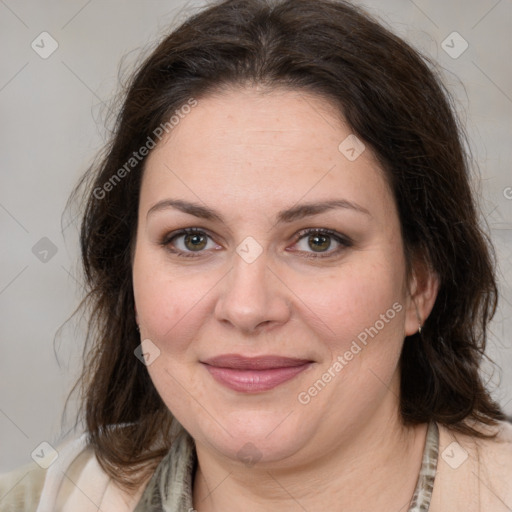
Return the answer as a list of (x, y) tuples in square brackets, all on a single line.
[(343, 240)]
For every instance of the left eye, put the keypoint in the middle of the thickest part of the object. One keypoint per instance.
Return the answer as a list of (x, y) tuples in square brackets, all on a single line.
[(321, 241)]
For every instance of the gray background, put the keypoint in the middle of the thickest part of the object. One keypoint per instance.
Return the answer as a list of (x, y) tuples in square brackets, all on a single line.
[(53, 114)]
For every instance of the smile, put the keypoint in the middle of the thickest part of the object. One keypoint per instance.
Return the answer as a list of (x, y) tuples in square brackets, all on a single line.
[(255, 374)]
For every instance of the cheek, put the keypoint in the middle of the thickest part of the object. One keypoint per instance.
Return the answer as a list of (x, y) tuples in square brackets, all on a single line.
[(353, 298), (163, 302), (362, 329)]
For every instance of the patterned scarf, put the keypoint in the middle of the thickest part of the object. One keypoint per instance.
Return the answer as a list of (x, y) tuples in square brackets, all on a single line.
[(170, 488)]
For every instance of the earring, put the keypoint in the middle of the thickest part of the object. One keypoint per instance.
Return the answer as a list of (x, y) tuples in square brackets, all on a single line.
[(419, 318), (138, 328)]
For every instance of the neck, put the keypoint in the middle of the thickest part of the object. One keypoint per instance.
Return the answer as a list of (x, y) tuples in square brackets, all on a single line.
[(375, 467)]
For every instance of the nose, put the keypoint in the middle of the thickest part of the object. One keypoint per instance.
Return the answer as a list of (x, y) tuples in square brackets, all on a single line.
[(252, 297)]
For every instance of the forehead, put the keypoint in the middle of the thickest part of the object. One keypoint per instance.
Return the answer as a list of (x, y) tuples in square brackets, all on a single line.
[(264, 149)]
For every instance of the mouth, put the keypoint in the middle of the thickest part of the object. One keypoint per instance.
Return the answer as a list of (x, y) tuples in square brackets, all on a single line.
[(254, 374)]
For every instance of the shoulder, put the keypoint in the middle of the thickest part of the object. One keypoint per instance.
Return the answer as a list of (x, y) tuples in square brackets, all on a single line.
[(75, 482), (472, 472), (20, 489)]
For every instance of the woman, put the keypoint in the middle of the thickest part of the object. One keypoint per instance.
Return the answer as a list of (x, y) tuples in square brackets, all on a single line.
[(289, 288)]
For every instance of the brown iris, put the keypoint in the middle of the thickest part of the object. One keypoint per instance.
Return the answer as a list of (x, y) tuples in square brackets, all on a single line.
[(195, 241), (319, 243)]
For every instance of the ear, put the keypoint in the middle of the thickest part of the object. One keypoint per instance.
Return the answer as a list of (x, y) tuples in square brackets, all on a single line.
[(136, 314), (423, 289)]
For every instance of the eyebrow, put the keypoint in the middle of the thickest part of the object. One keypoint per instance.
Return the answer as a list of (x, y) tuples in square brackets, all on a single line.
[(284, 216)]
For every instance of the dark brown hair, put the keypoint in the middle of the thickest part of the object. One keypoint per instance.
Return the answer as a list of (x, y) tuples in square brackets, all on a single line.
[(393, 100)]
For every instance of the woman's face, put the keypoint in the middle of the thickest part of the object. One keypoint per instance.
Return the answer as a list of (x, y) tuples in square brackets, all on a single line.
[(275, 324)]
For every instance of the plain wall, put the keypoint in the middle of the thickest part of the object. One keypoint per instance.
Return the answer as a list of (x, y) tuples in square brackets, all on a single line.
[(52, 124)]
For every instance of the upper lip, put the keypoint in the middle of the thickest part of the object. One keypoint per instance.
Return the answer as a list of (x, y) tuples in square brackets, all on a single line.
[(239, 362)]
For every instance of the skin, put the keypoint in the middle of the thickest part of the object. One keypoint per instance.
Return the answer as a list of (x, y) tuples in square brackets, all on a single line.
[(248, 154)]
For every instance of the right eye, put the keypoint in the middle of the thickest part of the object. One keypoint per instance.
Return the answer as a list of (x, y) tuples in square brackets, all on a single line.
[(188, 241)]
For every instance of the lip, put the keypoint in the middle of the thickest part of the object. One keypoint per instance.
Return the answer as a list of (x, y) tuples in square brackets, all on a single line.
[(254, 374)]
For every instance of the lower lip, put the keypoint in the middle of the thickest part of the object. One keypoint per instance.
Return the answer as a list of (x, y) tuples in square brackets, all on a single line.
[(254, 381)]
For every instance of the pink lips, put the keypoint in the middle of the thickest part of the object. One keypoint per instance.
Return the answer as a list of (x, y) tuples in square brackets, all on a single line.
[(254, 374)]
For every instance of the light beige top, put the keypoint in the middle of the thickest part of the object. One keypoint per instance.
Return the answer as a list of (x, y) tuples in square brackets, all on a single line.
[(473, 475)]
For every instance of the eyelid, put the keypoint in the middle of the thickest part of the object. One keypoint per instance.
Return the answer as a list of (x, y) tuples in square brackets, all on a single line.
[(338, 236), (344, 241), (169, 237)]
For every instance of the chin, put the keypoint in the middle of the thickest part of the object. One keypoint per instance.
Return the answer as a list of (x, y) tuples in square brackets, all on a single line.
[(256, 436)]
